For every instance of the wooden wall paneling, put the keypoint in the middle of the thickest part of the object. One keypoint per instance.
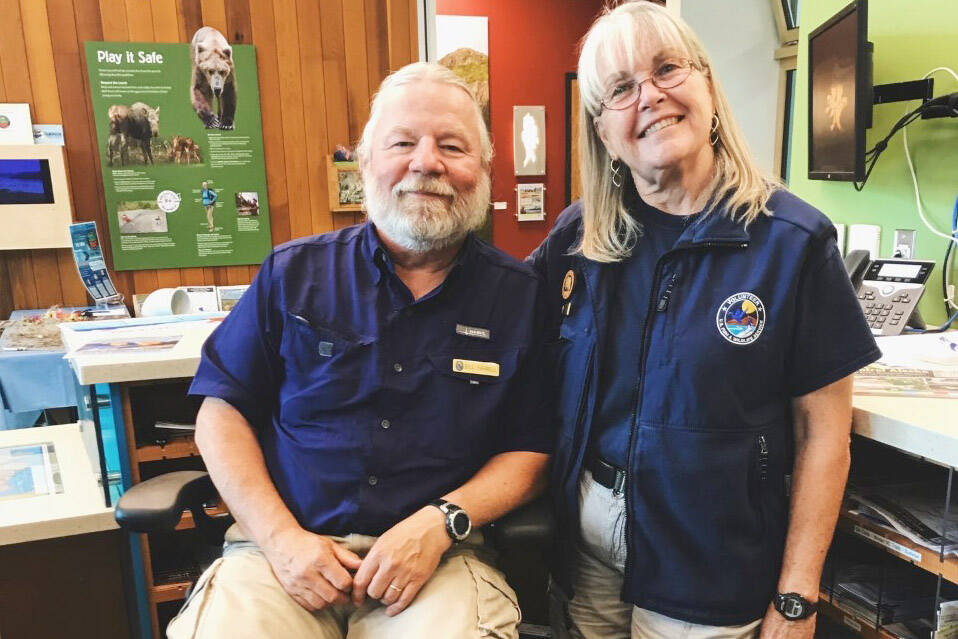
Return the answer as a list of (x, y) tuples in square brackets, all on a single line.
[(52, 269), (6, 294), (355, 35), (377, 44), (271, 112), (214, 15), (397, 16), (238, 21), (294, 131), (191, 14), (15, 87), (166, 25), (357, 81), (319, 62), (337, 101), (313, 79)]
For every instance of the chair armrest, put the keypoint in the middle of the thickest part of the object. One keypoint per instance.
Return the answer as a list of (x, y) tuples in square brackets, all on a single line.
[(157, 504), (531, 524)]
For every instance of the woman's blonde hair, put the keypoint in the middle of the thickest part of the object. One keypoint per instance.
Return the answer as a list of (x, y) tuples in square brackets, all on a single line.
[(608, 230)]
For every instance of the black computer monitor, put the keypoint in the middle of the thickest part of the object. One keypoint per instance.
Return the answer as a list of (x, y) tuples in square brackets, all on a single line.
[(839, 95)]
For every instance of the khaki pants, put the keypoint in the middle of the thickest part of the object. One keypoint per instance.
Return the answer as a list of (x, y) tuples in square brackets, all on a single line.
[(238, 597), (596, 611)]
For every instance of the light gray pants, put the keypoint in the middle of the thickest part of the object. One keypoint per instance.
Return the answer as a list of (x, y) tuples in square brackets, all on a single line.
[(596, 611)]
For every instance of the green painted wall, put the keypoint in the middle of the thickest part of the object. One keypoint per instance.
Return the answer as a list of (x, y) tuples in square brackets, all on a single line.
[(910, 38)]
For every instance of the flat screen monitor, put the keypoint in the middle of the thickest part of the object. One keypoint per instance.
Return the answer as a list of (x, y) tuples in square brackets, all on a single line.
[(839, 95), (35, 210), (25, 182)]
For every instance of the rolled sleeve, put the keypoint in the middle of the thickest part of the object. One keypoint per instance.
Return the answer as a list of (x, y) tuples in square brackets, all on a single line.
[(240, 362), (831, 338)]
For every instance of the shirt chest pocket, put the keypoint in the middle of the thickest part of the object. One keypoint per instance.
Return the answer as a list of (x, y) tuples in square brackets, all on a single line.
[(473, 389), (327, 369)]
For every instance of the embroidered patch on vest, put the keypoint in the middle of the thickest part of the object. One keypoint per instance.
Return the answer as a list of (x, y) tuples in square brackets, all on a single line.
[(741, 318)]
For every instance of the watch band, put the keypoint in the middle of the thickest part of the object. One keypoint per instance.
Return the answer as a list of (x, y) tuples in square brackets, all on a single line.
[(794, 607), (450, 511)]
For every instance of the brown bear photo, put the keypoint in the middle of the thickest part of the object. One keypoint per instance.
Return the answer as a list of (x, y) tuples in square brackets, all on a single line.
[(213, 91)]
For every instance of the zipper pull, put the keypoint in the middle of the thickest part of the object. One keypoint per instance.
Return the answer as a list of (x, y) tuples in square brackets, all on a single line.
[(667, 295), (763, 457)]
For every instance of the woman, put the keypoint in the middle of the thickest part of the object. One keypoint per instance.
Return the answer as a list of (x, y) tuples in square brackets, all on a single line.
[(707, 337)]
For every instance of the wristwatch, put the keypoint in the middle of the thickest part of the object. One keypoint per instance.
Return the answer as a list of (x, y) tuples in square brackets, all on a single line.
[(793, 606), (458, 525)]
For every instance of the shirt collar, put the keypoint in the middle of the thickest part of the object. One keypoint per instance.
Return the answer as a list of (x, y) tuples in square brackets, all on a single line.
[(377, 257)]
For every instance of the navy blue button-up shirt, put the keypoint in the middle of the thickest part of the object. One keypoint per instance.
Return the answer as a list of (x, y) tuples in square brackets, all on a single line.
[(369, 404)]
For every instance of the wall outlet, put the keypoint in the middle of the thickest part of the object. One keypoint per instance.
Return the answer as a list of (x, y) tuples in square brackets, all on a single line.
[(904, 244), (866, 237)]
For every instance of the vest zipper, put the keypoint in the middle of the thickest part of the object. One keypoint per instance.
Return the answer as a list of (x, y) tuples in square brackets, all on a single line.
[(667, 295), (762, 457), (640, 382)]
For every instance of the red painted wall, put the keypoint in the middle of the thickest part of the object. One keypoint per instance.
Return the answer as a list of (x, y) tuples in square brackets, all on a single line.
[(532, 45)]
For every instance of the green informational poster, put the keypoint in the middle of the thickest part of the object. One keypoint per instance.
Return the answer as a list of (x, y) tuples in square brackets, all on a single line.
[(181, 148)]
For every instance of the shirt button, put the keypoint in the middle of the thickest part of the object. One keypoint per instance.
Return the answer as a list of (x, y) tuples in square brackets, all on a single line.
[(373, 480), (384, 423), (397, 367)]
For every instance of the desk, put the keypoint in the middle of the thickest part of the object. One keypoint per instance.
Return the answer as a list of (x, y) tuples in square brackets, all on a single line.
[(80, 508), (63, 558), (918, 425)]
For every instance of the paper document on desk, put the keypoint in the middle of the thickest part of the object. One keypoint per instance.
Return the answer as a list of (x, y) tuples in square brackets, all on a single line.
[(131, 335), (914, 510), (29, 471), (913, 366)]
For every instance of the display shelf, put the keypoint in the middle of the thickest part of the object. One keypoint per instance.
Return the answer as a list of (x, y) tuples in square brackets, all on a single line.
[(898, 545), (160, 593), (175, 449), (862, 627)]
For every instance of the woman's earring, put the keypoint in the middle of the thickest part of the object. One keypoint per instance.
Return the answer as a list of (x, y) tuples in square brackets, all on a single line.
[(616, 175), (713, 131)]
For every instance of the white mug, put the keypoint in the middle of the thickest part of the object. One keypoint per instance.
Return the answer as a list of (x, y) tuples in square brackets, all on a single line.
[(165, 301)]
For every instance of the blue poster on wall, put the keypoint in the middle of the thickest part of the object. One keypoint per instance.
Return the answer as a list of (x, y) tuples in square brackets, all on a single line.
[(90, 264)]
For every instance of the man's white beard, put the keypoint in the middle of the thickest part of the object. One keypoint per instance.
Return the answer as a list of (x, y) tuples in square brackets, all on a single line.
[(429, 224)]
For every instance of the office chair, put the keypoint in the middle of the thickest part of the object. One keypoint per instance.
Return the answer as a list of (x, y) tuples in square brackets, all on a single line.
[(522, 538)]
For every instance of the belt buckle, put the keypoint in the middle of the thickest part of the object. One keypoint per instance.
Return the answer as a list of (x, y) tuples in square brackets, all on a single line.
[(618, 486)]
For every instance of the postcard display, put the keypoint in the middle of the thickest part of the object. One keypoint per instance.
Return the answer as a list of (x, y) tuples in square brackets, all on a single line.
[(169, 118)]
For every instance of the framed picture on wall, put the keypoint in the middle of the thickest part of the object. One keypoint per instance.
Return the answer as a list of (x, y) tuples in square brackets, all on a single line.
[(530, 204), (345, 185), (529, 140), (573, 179)]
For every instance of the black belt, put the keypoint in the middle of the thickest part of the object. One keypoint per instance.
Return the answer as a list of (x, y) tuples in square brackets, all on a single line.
[(605, 474)]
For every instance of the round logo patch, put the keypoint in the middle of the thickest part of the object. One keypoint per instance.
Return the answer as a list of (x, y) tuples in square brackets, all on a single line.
[(168, 201), (4, 121), (741, 318)]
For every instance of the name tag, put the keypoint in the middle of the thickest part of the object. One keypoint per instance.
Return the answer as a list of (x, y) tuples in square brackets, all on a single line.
[(472, 367), (472, 331)]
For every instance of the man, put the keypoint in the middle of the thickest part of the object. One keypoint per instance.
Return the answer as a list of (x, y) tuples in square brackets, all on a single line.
[(209, 200), (364, 375)]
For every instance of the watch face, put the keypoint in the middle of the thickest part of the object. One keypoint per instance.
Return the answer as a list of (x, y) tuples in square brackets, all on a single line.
[(460, 523), (792, 607)]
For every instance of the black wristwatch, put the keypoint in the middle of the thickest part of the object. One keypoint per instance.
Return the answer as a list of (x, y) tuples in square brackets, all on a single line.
[(793, 606), (458, 524)]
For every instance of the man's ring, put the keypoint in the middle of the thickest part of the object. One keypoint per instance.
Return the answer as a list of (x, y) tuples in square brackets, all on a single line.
[(395, 587)]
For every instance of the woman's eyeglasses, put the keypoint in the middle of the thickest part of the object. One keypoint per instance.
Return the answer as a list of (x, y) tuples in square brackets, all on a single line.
[(667, 75)]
